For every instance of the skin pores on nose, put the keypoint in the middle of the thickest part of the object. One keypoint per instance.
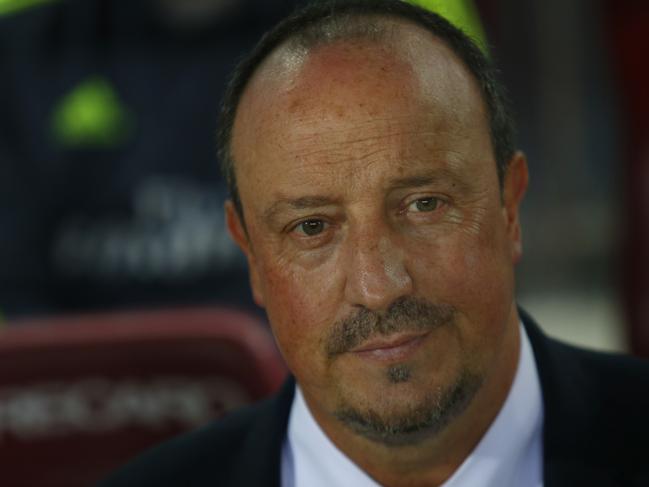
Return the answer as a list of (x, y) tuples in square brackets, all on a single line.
[(394, 264)]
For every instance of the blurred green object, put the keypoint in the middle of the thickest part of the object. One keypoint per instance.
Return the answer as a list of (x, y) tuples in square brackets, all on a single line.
[(461, 13), (10, 6), (91, 116)]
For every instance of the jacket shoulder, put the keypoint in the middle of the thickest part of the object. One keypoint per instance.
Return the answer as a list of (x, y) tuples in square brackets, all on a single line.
[(190, 459), (606, 393), (595, 414), (614, 379), (242, 448)]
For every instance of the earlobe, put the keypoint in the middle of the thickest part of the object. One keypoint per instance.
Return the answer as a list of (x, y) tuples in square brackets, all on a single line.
[(238, 233), (514, 188)]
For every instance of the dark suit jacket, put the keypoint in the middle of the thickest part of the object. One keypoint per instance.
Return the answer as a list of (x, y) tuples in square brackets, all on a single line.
[(596, 430)]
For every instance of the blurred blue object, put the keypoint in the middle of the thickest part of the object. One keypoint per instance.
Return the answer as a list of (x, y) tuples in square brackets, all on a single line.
[(110, 193)]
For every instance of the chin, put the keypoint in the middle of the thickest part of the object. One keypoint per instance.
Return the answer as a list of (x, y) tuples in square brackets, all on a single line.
[(403, 411)]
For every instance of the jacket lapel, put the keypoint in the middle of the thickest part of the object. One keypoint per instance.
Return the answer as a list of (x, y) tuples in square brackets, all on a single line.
[(570, 414), (261, 454)]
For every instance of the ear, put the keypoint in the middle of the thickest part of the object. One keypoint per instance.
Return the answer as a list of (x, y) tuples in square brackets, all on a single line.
[(514, 188), (239, 234)]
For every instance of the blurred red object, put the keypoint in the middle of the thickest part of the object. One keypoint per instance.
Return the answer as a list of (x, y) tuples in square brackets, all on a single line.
[(81, 395), (628, 21)]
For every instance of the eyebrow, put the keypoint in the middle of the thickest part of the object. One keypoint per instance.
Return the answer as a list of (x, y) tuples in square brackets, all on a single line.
[(427, 178), (414, 181), (316, 201), (301, 203)]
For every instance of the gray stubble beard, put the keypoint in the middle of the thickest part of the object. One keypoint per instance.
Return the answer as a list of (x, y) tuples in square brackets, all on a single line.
[(418, 422), (438, 407)]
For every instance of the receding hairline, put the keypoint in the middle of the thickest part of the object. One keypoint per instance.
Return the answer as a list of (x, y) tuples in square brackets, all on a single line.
[(398, 37), (353, 29), (425, 55), (323, 23)]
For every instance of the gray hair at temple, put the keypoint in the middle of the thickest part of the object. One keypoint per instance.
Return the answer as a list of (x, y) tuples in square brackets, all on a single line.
[(323, 22)]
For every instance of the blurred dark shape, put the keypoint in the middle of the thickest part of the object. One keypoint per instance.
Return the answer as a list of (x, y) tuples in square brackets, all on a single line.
[(628, 22), (110, 193), (80, 396)]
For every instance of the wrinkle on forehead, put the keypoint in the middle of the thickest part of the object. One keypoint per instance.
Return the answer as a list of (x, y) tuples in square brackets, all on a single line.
[(412, 86), (413, 61), (397, 49)]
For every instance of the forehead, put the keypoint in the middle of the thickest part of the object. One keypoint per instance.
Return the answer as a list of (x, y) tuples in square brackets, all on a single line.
[(403, 52), (350, 91)]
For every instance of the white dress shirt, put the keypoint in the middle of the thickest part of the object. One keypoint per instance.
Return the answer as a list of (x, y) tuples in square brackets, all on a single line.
[(510, 454)]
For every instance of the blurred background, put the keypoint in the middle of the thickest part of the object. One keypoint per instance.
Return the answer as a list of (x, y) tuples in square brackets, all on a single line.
[(577, 78), (111, 200)]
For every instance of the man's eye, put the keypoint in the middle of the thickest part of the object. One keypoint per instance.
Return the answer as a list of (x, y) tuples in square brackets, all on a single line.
[(425, 204), (311, 227)]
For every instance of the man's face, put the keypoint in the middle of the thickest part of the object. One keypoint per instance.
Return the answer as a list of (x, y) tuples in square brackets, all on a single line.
[(377, 238)]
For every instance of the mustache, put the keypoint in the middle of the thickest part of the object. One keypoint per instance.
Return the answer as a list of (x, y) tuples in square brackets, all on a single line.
[(406, 314)]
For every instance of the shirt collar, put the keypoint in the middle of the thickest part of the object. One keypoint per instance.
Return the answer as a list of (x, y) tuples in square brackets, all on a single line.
[(510, 452)]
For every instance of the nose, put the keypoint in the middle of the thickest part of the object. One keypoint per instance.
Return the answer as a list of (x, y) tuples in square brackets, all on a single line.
[(376, 270)]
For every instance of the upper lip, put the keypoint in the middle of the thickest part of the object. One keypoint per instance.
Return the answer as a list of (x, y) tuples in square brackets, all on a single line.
[(391, 341)]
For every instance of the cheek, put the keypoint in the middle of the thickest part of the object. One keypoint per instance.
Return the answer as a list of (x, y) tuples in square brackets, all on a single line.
[(469, 271), (474, 276), (300, 307)]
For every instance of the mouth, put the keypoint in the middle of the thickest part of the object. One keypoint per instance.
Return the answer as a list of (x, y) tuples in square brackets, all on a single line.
[(390, 349)]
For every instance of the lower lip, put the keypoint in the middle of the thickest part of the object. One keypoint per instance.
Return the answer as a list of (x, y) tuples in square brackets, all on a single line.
[(393, 354)]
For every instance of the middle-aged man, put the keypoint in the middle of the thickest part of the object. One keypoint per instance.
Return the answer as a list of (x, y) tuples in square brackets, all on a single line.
[(375, 192)]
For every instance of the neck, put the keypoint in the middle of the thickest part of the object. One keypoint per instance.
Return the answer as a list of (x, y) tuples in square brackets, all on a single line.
[(432, 461)]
